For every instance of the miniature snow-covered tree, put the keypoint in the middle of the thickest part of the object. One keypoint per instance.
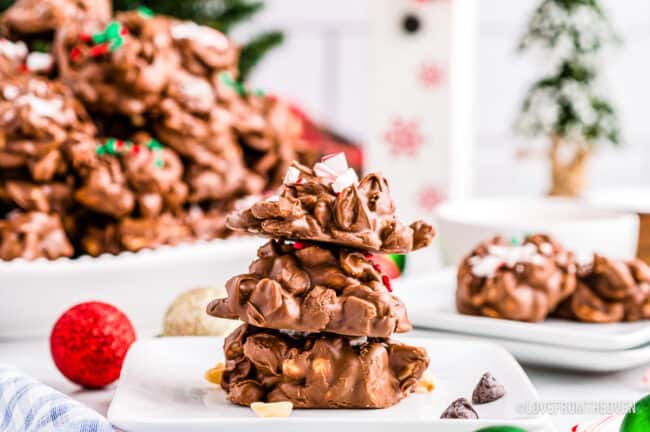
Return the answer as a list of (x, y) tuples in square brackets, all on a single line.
[(566, 105)]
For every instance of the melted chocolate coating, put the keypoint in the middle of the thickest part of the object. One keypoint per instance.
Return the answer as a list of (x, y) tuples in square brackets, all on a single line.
[(313, 289), (611, 291), (361, 216), (33, 235), (318, 370), (37, 117), (27, 18), (520, 290)]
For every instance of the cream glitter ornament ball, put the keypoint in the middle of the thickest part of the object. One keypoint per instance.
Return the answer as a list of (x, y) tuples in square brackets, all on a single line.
[(186, 315)]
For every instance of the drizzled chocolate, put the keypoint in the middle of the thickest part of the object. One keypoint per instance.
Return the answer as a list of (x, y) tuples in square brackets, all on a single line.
[(519, 282), (611, 290), (313, 288), (334, 209), (318, 370)]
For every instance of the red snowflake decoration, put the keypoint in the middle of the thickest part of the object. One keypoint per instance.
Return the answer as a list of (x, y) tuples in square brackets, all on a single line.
[(404, 137), (430, 75), (429, 197)]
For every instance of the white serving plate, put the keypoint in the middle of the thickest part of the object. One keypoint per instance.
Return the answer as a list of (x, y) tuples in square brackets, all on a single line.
[(557, 356), (579, 226), (142, 284), (162, 389), (430, 301)]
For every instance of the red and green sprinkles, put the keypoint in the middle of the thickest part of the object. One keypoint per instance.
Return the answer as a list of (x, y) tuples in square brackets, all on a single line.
[(111, 39), (118, 147)]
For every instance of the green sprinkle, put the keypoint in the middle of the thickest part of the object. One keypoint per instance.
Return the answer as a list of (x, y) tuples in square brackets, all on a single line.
[(100, 150), (514, 241), (145, 12), (259, 93), (159, 163), (99, 38), (112, 30), (228, 80), (154, 145), (118, 41)]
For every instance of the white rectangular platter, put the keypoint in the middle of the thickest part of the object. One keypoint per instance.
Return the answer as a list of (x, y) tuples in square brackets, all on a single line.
[(162, 389)]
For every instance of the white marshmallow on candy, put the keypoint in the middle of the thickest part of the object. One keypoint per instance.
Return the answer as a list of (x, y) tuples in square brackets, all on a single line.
[(334, 168), (200, 34), (487, 266), (13, 50), (292, 176), (38, 61)]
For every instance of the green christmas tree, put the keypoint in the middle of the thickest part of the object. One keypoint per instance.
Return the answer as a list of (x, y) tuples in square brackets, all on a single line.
[(566, 105), (224, 15)]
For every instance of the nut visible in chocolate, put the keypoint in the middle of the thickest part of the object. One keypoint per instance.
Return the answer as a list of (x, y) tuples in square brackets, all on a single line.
[(611, 290), (518, 282), (487, 390), (318, 370), (313, 288), (460, 409), (327, 205)]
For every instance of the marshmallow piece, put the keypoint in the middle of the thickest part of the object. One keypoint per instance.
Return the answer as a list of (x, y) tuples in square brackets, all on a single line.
[(10, 92), (51, 108), (292, 176), (348, 178), (336, 162), (272, 409), (38, 61), (13, 50), (200, 34)]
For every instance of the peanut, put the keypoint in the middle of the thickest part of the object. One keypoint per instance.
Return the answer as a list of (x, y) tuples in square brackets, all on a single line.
[(214, 374), (272, 409)]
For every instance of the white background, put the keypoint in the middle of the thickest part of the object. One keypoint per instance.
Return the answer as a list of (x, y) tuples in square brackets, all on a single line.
[(324, 67)]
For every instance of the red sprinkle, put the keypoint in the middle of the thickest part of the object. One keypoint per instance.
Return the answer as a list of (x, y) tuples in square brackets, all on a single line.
[(98, 50), (299, 180), (75, 53), (23, 68), (367, 255), (135, 149), (85, 37), (298, 245), (386, 280), (124, 31), (376, 267)]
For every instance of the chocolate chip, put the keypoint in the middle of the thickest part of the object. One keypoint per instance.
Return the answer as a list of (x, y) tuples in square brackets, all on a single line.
[(411, 23), (487, 390), (460, 409)]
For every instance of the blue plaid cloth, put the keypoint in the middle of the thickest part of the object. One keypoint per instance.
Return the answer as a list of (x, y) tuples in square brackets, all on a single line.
[(27, 405)]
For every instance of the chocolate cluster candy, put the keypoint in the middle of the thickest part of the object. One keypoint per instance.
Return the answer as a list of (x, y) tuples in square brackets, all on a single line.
[(313, 288), (522, 282), (327, 204), (27, 19), (180, 78), (319, 370), (141, 137), (540, 278), (318, 311), (610, 291)]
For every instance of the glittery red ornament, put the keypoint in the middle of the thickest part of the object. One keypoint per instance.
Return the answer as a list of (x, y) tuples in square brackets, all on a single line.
[(89, 343)]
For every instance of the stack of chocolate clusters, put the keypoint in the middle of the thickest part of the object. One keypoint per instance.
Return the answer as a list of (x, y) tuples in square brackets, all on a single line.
[(540, 278), (318, 312), (132, 133)]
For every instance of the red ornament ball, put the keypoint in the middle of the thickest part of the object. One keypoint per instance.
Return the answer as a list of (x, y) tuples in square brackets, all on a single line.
[(89, 343)]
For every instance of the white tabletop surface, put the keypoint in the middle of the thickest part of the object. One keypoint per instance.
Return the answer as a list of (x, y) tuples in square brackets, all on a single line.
[(553, 386)]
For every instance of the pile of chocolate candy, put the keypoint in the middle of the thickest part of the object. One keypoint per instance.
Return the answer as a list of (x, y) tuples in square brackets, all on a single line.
[(133, 132), (540, 278), (318, 311)]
